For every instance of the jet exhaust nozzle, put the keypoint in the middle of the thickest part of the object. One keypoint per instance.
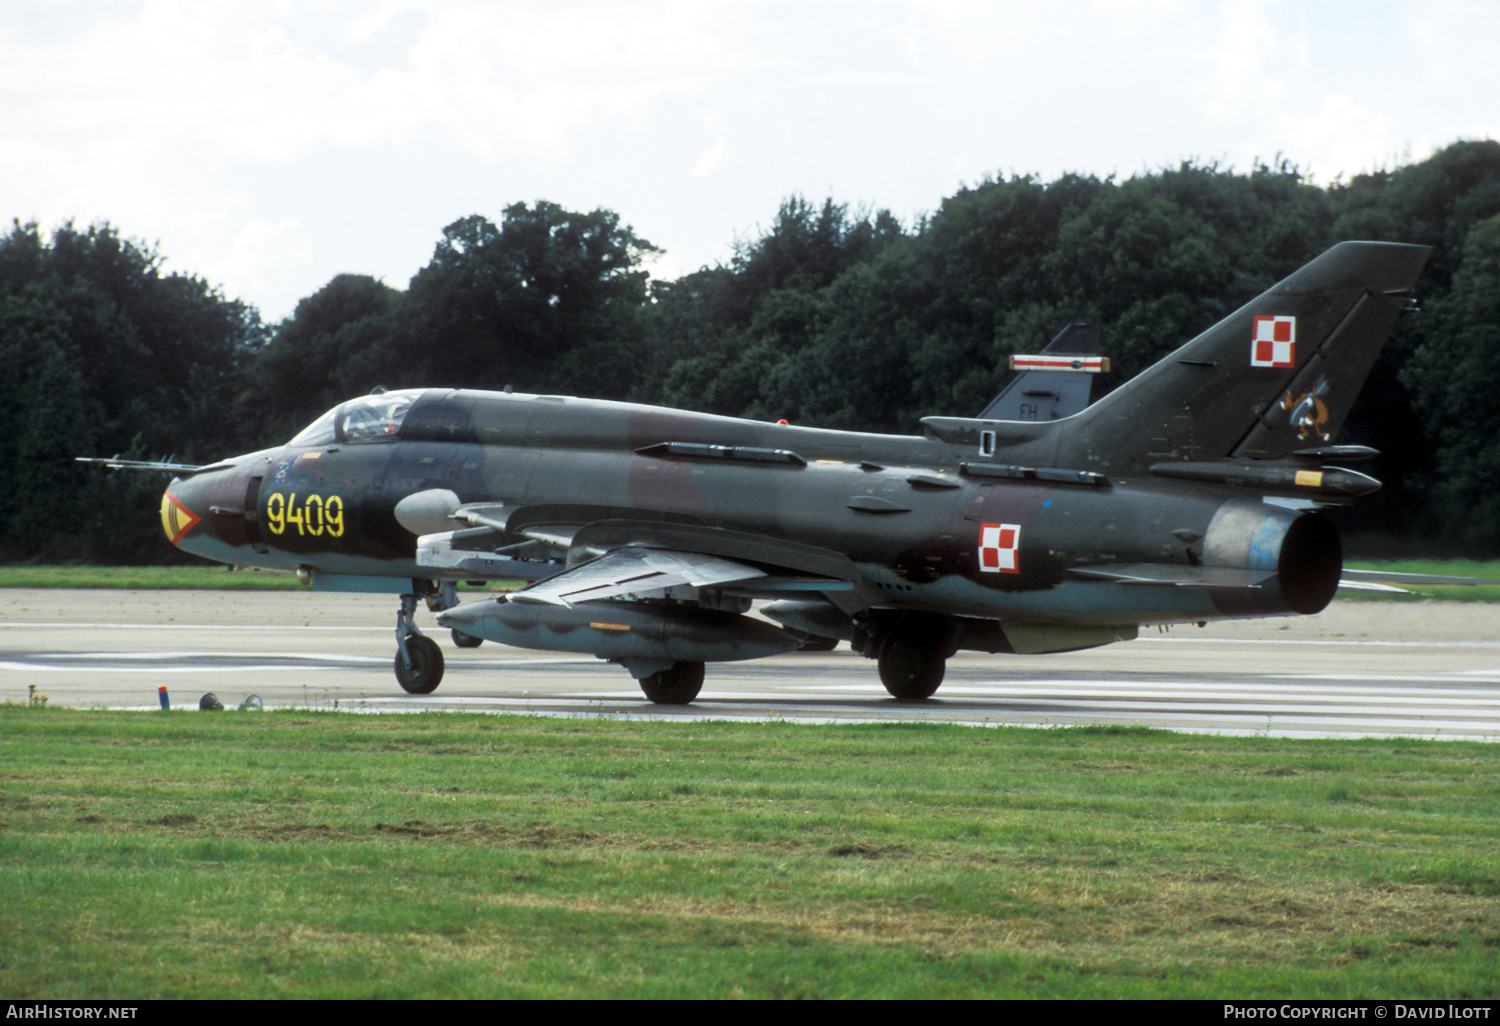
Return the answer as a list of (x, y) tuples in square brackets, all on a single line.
[(1303, 550)]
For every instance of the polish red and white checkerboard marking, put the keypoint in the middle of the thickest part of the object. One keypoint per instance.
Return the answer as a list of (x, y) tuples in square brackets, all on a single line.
[(997, 548), (1274, 343)]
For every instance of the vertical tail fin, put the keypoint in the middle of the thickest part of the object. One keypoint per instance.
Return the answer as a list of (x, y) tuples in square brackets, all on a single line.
[(1050, 387), (1277, 375)]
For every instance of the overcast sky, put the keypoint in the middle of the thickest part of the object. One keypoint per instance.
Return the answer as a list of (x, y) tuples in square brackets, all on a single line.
[(267, 146)]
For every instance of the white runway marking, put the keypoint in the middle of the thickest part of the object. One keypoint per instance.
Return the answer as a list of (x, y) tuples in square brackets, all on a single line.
[(1300, 686)]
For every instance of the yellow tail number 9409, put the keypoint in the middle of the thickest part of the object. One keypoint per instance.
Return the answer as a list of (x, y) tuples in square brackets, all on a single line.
[(311, 515)]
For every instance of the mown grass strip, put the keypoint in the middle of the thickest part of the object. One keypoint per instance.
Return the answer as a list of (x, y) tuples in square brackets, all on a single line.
[(298, 854), (158, 578), (205, 577), (223, 578), (1485, 570)]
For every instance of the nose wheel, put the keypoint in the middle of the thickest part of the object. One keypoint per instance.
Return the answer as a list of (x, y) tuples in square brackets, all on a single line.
[(419, 661), (420, 667)]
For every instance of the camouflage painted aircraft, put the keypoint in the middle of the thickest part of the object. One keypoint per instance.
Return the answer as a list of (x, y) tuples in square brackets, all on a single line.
[(1188, 494)]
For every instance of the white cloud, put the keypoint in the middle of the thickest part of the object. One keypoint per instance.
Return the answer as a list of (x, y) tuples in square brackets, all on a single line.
[(1342, 136), (277, 145), (267, 258), (712, 158)]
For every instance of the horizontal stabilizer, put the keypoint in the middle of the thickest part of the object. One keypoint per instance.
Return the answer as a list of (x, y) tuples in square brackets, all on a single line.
[(1353, 578), (1388, 589)]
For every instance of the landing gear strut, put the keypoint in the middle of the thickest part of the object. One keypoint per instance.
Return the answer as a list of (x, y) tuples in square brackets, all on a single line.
[(419, 661)]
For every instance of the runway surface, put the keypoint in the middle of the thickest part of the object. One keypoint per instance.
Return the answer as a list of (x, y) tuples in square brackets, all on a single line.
[(1359, 669)]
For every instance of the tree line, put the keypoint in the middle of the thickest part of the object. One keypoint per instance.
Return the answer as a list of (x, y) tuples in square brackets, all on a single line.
[(829, 315)]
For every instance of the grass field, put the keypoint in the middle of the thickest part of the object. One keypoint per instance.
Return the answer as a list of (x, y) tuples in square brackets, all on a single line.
[(154, 578), (1443, 567), (146, 577), (222, 578), (295, 854)]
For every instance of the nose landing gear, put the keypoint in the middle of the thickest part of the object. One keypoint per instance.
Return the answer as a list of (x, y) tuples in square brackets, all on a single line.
[(419, 661)]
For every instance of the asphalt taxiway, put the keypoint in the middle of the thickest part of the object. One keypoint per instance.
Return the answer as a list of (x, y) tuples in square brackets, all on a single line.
[(1422, 669)]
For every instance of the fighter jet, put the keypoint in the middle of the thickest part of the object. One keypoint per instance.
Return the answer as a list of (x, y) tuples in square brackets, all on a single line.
[(645, 535)]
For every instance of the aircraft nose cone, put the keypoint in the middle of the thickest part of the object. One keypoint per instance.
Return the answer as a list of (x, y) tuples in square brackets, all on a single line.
[(204, 512), (177, 515)]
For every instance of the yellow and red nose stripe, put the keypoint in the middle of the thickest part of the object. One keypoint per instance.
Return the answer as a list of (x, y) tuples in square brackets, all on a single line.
[(176, 519)]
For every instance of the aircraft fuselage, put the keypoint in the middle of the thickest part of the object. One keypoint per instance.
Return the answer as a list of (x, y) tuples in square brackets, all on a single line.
[(928, 524)]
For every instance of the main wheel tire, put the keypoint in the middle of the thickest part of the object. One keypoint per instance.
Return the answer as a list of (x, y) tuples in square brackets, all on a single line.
[(463, 640), (677, 685), (910, 669), (426, 669)]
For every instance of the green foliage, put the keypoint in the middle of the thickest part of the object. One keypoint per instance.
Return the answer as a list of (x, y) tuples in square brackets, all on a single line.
[(306, 365), (1435, 203), (828, 316), (727, 327), (102, 354), (804, 250), (1454, 376), (549, 301), (926, 324)]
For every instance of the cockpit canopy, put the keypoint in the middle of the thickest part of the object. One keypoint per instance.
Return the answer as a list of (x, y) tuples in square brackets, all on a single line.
[(370, 418), (451, 415)]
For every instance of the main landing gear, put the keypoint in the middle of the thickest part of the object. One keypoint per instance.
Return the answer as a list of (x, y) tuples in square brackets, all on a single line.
[(666, 683), (911, 668), (911, 651), (678, 684)]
